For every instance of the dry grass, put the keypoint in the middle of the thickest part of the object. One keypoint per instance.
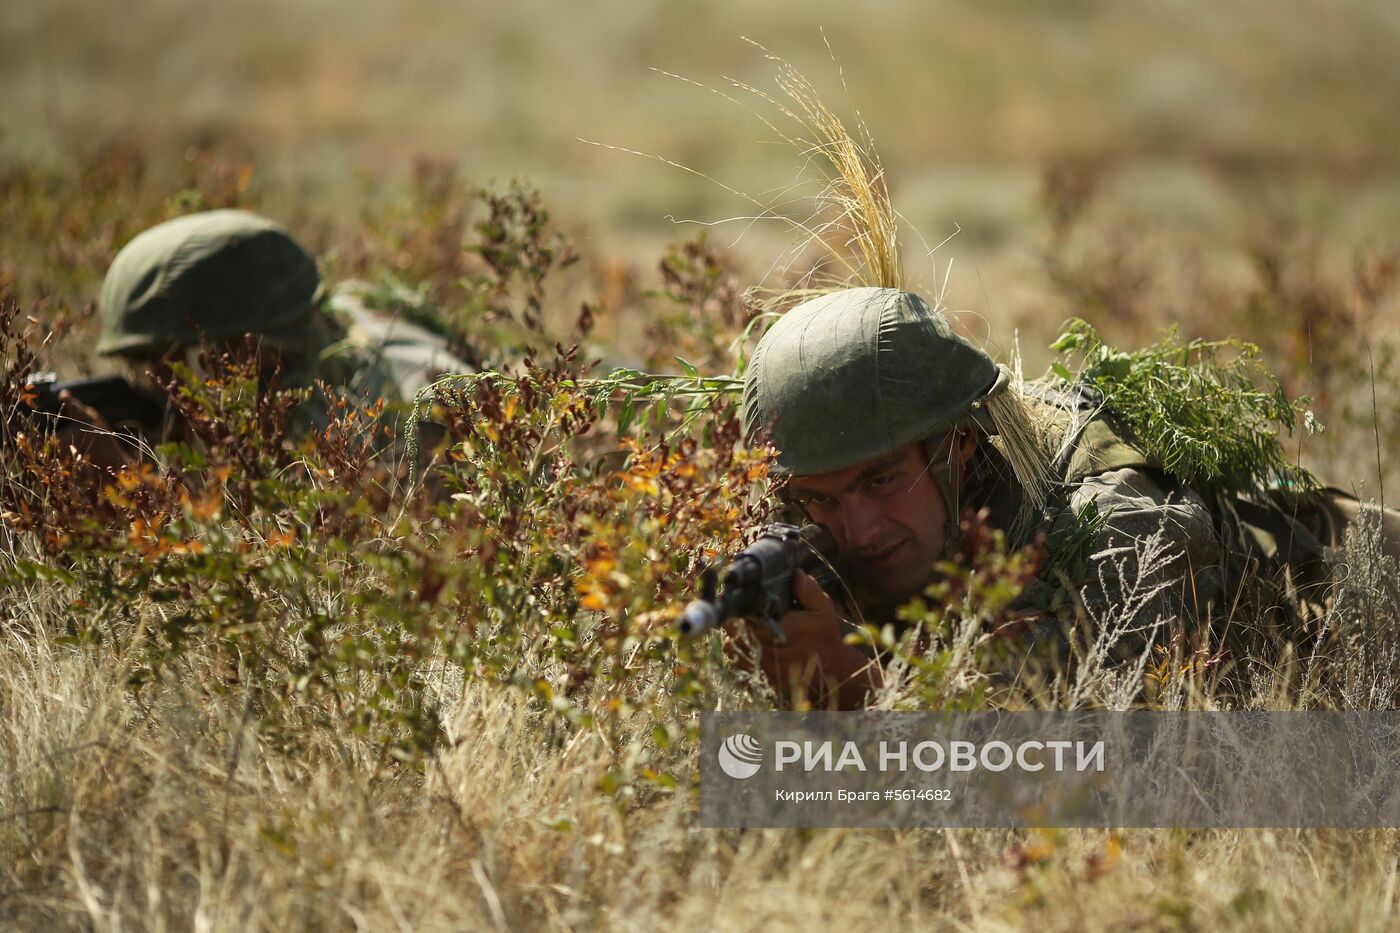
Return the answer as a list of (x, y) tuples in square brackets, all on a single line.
[(167, 812)]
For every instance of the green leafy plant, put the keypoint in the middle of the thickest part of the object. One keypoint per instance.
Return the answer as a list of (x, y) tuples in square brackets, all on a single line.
[(1207, 410)]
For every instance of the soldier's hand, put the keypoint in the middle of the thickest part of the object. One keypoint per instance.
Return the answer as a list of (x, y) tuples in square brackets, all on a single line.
[(815, 661), (83, 427), (813, 629)]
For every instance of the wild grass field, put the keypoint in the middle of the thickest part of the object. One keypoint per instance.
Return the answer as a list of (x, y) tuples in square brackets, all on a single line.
[(266, 683)]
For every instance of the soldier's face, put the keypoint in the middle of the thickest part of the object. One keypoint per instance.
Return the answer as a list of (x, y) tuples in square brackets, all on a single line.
[(888, 516)]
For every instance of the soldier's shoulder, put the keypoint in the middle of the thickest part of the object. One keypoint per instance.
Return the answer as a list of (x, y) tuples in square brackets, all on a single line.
[(384, 314), (1090, 440), (393, 333)]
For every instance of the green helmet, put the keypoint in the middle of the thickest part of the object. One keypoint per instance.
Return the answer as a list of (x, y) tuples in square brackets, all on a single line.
[(211, 276), (859, 373)]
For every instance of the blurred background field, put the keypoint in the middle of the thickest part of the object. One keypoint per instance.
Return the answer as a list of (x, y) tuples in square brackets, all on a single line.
[(1207, 120), (1181, 138)]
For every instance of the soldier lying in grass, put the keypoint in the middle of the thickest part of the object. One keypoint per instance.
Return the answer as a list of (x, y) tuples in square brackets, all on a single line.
[(213, 279), (891, 426), (1154, 478)]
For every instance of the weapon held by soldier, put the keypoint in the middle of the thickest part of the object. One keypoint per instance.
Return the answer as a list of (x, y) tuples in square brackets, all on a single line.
[(757, 582), (125, 407), (109, 417)]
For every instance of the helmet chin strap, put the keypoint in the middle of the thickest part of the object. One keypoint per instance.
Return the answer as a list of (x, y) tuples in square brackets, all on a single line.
[(945, 476)]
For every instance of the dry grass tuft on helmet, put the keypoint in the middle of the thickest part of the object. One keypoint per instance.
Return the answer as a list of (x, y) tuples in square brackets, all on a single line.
[(852, 219)]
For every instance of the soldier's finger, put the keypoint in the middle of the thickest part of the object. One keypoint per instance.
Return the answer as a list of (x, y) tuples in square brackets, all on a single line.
[(800, 626), (809, 593), (741, 629)]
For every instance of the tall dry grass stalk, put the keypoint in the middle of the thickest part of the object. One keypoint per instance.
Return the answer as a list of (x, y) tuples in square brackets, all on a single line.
[(858, 226), (850, 222), (839, 207), (852, 216)]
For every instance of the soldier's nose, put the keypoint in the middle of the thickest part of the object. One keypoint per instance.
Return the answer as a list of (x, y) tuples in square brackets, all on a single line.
[(863, 527)]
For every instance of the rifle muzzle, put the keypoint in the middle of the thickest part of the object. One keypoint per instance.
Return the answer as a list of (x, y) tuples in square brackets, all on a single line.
[(699, 617)]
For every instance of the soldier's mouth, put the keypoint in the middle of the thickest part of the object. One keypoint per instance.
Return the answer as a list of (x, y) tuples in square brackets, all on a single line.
[(885, 557)]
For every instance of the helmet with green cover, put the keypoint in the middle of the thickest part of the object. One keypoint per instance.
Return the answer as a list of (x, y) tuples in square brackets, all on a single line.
[(861, 372), (208, 276), (858, 373)]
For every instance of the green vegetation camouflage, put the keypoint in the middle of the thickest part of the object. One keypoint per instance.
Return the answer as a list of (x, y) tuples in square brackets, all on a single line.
[(207, 276)]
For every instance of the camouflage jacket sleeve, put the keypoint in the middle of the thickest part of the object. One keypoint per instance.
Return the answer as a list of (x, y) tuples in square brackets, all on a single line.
[(396, 357), (1153, 556)]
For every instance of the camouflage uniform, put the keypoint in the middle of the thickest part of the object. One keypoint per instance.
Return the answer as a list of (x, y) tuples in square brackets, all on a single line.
[(858, 374), (1165, 550), (1108, 503), (398, 358)]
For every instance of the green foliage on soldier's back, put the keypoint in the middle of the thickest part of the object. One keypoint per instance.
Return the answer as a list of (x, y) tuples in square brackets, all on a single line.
[(1207, 410)]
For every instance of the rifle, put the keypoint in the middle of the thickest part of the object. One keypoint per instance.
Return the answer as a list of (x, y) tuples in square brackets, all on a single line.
[(758, 580), (127, 409)]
